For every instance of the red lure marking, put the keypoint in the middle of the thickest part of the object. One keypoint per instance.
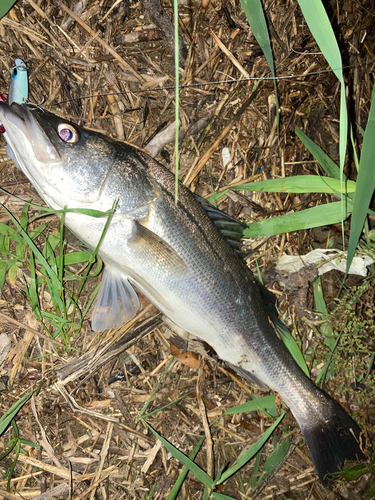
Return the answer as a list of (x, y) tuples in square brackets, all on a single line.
[(2, 99)]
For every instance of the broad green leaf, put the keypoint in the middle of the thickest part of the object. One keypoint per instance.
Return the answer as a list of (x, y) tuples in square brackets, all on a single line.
[(10, 445), (202, 476), (50, 257), (325, 328), (252, 451), (58, 320), (6, 5), (25, 442), (53, 240), (365, 184), (54, 291), (305, 219), (255, 16)]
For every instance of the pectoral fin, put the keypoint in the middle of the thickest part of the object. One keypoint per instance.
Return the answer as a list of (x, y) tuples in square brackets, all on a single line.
[(117, 302), (154, 249)]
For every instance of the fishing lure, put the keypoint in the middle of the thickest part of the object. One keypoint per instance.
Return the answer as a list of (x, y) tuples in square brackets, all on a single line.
[(19, 85), (2, 99)]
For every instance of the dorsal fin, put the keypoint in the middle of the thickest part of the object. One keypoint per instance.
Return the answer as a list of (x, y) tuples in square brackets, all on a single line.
[(232, 230), (229, 227)]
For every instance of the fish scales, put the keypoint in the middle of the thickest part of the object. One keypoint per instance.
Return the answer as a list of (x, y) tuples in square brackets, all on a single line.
[(177, 257)]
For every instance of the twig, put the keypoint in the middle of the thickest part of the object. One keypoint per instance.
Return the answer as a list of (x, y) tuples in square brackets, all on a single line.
[(206, 426), (104, 44), (192, 174), (32, 330)]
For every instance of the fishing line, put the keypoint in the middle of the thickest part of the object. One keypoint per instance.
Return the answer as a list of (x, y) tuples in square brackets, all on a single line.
[(216, 82)]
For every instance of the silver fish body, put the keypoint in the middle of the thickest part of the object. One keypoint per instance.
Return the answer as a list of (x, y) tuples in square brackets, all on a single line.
[(175, 255)]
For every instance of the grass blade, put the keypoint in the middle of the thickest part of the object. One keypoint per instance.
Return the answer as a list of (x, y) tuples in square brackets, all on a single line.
[(305, 219), (9, 415), (257, 21), (177, 94), (181, 478), (365, 184), (37, 253), (276, 456), (5, 6), (320, 156), (253, 450), (145, 406), (325, 328), (296, 184), (219, 496), (202, 476), (257, 404), (321, 29)]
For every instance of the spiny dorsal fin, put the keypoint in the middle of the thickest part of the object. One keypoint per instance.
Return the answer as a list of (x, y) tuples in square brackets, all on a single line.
[(229, 227)]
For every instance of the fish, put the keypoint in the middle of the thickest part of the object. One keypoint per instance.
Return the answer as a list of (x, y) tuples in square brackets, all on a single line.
[(178, 258)]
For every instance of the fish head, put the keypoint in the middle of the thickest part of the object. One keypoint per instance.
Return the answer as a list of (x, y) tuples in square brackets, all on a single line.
[(53, 153)]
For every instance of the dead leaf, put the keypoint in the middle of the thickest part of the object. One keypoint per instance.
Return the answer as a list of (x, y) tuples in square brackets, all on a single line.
[(188, 358)]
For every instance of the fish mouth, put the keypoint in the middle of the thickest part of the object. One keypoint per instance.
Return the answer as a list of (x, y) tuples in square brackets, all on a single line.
[(22, 129)]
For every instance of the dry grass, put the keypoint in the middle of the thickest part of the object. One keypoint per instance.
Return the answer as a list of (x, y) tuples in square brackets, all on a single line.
[(113, 72)]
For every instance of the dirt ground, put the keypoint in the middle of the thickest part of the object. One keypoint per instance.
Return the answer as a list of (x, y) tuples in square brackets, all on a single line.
[(113, 72)]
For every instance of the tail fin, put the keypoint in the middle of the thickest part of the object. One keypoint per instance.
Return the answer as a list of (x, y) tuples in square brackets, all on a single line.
[(333, 441)]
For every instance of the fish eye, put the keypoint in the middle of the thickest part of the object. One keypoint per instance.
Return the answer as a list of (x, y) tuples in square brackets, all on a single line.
[(68, 133)]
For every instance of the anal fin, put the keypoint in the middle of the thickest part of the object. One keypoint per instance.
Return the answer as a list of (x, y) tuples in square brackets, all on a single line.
[(117, 302)]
